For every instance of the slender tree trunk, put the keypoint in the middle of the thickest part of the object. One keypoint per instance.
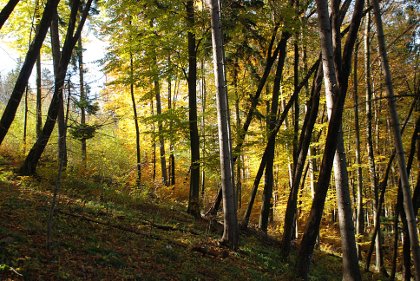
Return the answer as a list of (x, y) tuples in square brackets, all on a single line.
[(359, 173), (203, 127), (62, 132), (271, 57), (348, 243), (25, 121), (405, 186), (268, 184), (194, 199), (296, 108), (272, 136), (54, 201), (160, 129), (6, 11), (22, 80), (83, 98), (369, 142), (337, 89), (231, 232), (61, 120), (136, 121), (377, 213), (238, 126), (31, 161), (171, 136), (305, 140), (152, 108), (38, 96)]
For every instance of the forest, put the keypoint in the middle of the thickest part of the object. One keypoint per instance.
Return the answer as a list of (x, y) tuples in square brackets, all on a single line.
[(212, 140)]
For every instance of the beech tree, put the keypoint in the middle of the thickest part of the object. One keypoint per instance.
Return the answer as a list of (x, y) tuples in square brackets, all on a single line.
[(31, 56), (231, 230), (405, 185), (335, 80), (73, 34), (193, 203)]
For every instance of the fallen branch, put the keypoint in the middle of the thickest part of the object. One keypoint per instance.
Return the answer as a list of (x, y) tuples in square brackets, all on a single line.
[(128, 229), (117, 226)]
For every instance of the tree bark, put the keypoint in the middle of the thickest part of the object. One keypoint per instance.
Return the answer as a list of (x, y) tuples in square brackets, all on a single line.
[(359, 172), (194, 198), (22, 80), (6, 11), (271, 58), (61, 120), (369, 144), (351, 269), (305, 140), (231, 233), (268, 184), (83, 98), (38, 96), (337, 89), (272, 136), (160, 126), (203, 127), (405, 186), (31, 161), (136, 121)]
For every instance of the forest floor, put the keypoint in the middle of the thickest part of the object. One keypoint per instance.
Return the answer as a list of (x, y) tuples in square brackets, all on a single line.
[(105, 234)]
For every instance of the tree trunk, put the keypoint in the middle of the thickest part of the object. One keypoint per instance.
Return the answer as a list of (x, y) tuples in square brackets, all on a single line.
[(337, 89), (268, 184), (231, 232), (25, 121), (348, 244), (83, 98), (203, 128), (272, 136), (136, 121), (160, 127), (369, 143), (152, 108), (171, 168), (359, 173), (405, 186), (305, 140), (61, 120), (38, 96), (271, 57), (238, 183), (6, 11), (31, 161), (22, 80), (194, 198)]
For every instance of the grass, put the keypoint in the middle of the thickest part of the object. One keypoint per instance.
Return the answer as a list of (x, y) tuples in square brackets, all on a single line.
[(103, 233)]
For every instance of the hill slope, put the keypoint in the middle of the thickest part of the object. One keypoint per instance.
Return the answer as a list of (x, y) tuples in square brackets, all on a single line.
[(102, 233)]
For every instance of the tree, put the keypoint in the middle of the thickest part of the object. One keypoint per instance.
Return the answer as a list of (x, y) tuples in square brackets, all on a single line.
[(31, 56), (73, 34), (342, 66), (231, 232), (136, 120), (193, 203), (335, 81), (7, 10), (304, 141), (405, 186), (360, 219), (268, 184), (83, 97)]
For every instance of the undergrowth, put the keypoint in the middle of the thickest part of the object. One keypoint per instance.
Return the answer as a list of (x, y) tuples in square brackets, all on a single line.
[(104, 230)]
